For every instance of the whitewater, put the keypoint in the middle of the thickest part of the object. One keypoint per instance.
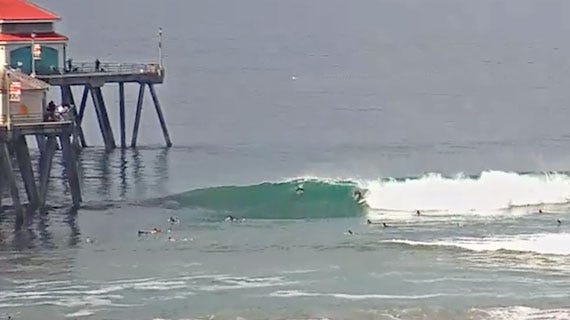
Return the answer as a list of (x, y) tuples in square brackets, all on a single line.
[(489, 192)]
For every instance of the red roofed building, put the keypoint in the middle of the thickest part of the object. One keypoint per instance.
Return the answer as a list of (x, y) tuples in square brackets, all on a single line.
[(22, 24)]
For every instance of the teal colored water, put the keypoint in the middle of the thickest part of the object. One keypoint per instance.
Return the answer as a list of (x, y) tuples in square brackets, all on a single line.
[(303, 199), (455, 109)]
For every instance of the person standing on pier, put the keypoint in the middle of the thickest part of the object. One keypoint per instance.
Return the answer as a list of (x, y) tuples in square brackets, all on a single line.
[(97, 64), (50, 112), (69, 65)]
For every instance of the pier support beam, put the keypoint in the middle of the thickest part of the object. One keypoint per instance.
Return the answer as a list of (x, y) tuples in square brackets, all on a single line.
[(160, 115), (26, 170), (46, 159), (79, 116), (138, 116), (67, 98), (122, 114), (103, 118), (70, 163), (41, 141), (10, 181)]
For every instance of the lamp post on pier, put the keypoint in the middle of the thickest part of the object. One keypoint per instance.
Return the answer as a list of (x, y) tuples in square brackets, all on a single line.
[(6, 95), (33, 74), (160, 47)]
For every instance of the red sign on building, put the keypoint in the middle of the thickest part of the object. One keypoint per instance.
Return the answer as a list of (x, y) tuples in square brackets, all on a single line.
[(37, 51), (15, 91)]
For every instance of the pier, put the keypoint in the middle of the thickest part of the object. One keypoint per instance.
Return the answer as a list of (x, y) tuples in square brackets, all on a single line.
[(33, 58), (23, 116), (92, 77)]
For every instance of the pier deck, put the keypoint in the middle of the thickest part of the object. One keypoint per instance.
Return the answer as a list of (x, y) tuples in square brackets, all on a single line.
[(88, 73)]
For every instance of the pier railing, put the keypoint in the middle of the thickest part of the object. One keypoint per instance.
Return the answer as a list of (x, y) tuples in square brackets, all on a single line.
[(112, 67), (36, 118)]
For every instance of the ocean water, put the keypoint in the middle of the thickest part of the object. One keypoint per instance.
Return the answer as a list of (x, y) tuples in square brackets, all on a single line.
[(458, 109)]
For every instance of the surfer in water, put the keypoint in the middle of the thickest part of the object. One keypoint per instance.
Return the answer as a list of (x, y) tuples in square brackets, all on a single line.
[(559, 222), (418, 213), (299, 189), (231, 218), (151, 231), (368, 221), (358, 197)]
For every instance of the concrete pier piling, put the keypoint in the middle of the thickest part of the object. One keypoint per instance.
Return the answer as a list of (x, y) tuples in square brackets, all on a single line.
[(35, 182)]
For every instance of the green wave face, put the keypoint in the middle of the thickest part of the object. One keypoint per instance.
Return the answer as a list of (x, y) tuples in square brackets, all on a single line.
[(283, 200)]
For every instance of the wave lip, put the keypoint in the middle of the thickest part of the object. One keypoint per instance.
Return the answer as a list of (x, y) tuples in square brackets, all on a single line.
[(545, 243)]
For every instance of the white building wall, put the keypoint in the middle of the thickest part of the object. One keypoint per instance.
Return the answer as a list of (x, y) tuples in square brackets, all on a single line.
[(29, 109), (2, 63), (2, 56), (2, 107)]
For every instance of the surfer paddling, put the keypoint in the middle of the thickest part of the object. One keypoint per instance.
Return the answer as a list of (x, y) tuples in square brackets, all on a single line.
[(368, 221), (384, 224), (231, 218), (151, 231)]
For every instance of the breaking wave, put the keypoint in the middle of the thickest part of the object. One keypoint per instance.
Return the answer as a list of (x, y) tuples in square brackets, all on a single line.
[(295, 199), (491, 192)]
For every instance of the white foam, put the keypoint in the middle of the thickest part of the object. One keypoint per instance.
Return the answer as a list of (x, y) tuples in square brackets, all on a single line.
[(160, 285), (300, 271), (80, 313), (230, 283), (521, 313), (297, 293), (491, 191), (545, 243)]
